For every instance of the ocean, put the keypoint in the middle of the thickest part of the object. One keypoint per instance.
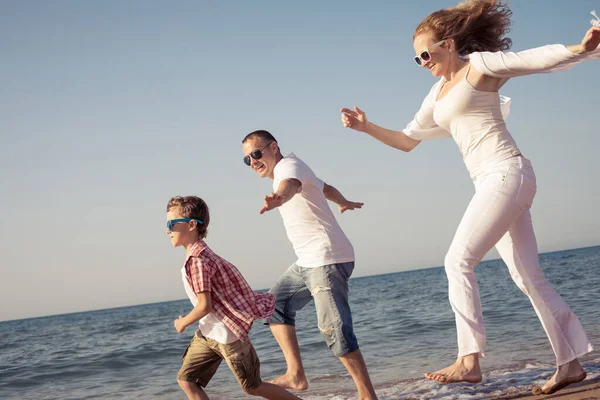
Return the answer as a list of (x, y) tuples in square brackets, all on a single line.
[(403, 322)]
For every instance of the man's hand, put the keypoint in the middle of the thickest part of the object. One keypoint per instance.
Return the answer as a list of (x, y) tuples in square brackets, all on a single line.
[(272, 201), (287, 189), (334, 195), (179, 324), (349, 205)]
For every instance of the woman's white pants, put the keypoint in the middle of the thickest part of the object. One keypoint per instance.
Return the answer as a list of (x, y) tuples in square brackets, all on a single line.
[(498, 215)]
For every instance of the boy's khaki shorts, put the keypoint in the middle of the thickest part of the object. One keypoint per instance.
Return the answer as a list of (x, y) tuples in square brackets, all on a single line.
[(204, 355)]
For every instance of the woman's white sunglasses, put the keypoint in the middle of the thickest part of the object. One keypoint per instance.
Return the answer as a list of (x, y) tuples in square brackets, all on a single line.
[(425, 55)]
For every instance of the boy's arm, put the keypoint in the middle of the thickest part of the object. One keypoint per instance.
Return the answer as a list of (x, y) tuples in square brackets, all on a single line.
[(287, 189), (334, 195), (203, 308)]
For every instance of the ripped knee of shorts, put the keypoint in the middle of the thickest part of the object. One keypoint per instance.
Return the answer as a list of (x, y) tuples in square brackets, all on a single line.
[(329, 334), (326, 326), (319, 289)]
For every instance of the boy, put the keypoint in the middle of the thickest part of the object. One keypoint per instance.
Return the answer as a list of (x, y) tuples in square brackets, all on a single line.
[(224, 305)]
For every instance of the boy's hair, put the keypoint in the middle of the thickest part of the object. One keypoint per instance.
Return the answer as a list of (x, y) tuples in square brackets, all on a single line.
[(192, 207)]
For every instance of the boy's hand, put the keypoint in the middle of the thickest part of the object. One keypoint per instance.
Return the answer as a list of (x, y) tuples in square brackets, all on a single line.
[(179, 325), (350, 205)]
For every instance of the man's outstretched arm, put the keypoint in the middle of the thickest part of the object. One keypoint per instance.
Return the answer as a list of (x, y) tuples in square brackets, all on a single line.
[(334, 195), (287, 189)]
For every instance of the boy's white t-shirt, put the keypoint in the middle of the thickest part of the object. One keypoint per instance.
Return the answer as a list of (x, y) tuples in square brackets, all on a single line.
[(210, 326), (314, 232)]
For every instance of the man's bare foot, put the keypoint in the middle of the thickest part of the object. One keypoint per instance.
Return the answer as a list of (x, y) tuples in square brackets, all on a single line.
[(289, 381), (465, 369), (565, 375)]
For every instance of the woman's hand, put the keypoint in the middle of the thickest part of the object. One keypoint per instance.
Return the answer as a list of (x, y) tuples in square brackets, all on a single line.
[(356, 119), (590, 41)]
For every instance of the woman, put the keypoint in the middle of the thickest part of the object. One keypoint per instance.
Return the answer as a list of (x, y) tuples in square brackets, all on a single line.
[(463, 45)]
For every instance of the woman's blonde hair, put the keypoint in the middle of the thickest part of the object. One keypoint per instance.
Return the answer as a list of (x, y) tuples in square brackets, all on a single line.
[(475, 25)]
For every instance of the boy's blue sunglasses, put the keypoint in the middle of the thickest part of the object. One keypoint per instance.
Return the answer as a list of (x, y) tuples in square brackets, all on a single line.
[(172, 222)]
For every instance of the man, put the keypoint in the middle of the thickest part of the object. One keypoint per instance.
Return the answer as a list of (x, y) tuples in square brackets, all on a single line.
[(325, 261)]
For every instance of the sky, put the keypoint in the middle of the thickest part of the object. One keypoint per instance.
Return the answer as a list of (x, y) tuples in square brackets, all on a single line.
[(108, 109)]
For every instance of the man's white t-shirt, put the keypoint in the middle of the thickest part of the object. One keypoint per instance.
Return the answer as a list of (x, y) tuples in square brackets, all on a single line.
[(314, 232)]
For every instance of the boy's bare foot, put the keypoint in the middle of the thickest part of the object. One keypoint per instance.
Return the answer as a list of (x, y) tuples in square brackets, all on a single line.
[(291, 382), (565, 375), (465, 369)]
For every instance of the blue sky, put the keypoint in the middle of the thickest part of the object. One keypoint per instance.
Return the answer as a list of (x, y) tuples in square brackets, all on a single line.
[(107, 109)]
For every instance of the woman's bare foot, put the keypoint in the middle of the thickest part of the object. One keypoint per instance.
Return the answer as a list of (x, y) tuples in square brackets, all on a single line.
[(465, 369), (289, 381), (565, 375)]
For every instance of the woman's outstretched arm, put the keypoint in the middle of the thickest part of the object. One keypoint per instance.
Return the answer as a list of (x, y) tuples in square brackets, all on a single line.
[(545, 59), (357, 120)]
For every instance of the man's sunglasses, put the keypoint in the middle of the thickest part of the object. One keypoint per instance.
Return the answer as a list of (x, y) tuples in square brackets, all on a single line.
[(425, 55), (256, 154), (172, 222)]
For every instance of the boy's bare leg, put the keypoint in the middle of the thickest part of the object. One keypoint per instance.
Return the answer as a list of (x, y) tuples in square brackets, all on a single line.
[(193, 391), (355, 364), (294, 377), (273, 392)]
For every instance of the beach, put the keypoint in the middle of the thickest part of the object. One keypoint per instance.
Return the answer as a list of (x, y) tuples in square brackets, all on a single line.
[(403, 323)]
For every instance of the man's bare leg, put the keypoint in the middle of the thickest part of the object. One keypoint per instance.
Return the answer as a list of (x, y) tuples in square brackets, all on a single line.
[(465, 369), (294, 377), (355, 364)]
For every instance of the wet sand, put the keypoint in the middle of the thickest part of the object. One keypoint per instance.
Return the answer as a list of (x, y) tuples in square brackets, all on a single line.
[(589, 389)]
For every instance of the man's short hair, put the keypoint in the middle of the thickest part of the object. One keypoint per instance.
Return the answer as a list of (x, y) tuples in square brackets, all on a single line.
[(265, 136)]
